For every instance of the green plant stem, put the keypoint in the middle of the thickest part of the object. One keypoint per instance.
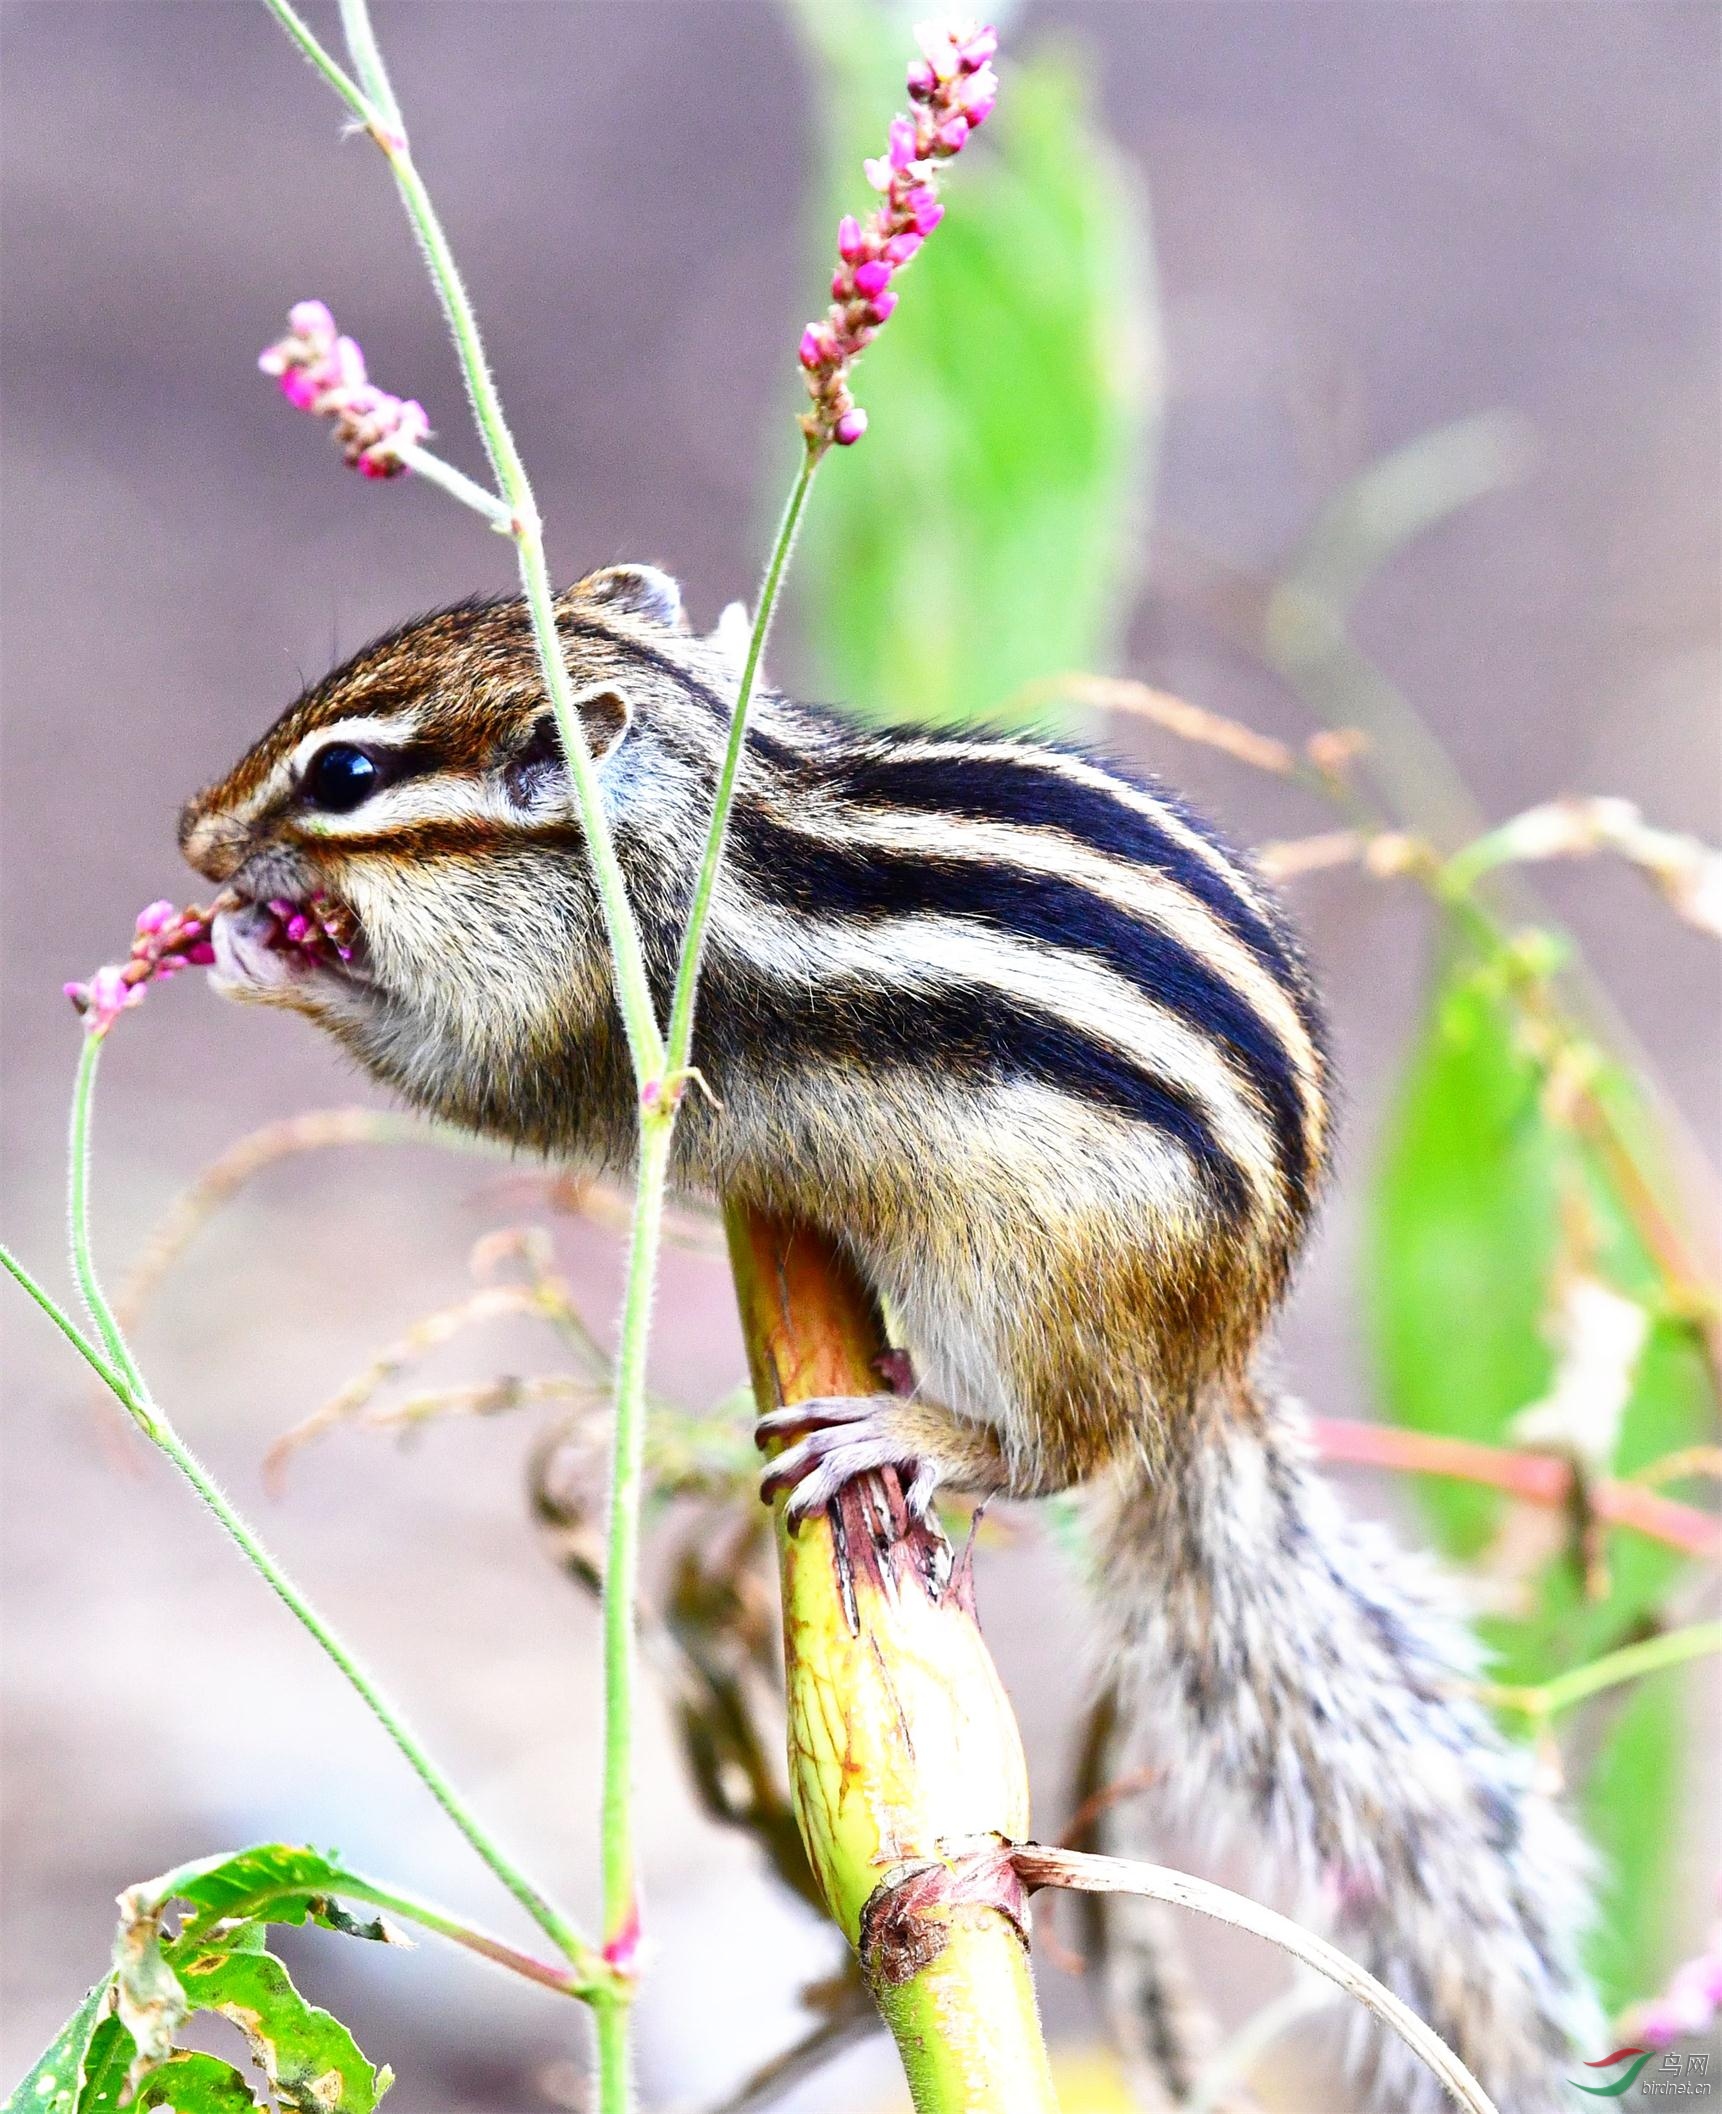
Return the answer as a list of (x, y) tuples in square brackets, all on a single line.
[(379, 113), (158, 1428), (617, 1846), (1652, 1656), (659, 1068), (456, 483), (693, 941), (78, 1215)]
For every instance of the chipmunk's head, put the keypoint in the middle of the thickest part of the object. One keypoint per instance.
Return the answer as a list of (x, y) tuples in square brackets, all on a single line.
[(400, 851)]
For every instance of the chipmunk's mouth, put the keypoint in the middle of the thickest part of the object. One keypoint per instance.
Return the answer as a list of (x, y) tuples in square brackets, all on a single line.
[(267, 947)]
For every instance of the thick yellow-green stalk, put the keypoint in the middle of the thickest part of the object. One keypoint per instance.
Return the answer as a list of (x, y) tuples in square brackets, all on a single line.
[(906, 1765)]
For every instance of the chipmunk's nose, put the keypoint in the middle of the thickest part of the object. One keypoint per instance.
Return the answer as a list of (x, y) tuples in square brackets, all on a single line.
[(213, 842)]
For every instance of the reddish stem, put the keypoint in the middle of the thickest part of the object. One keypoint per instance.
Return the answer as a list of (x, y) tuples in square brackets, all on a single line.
[(1537, 1478)]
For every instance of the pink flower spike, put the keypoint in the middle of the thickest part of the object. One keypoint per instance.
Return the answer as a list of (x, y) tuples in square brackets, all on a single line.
[(952, 88)]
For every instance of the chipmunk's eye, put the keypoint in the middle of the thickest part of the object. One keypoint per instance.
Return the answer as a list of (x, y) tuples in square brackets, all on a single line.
[(340, 777)]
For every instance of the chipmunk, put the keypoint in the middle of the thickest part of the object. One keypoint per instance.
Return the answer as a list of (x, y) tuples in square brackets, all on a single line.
[(1042, 1054)]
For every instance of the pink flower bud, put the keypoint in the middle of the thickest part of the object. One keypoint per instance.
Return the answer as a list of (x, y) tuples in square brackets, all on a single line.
[(299, 385), (312, 320), (849, 428), (904, 144), (937, 48), (924, 210), (811, 352), (851, 243), (901, 248), (952, 134), (299, 928), (872, 277), (881, 305), (155, 915), (974, 52), (922, 79), (877, 173)]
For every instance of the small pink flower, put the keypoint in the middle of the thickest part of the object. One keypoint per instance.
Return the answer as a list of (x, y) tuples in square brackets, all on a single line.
[(952, 89), (324, 373), (165, 941), (1689, 2004)]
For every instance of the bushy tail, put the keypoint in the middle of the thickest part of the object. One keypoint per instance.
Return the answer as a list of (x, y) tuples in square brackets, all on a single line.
[(1299, 1662)]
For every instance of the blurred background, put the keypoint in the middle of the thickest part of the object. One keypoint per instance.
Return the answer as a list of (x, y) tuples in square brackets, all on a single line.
[(1229, 261)]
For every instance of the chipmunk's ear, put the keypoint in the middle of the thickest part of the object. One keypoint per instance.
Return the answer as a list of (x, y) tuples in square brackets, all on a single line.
[(532, 761), (633, 591)]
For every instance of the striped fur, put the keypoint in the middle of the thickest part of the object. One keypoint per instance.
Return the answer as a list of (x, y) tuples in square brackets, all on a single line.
[(1017, 1028)]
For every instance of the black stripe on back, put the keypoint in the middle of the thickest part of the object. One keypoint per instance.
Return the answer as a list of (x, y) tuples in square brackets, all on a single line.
[(1023, 790), (857, 1025), (813, 876)]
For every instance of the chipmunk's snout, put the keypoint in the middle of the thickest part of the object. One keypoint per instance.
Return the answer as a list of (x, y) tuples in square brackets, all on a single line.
[(212, 841)]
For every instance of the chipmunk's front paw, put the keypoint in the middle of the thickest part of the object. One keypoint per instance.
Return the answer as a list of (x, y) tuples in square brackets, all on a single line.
[(836, 1438)]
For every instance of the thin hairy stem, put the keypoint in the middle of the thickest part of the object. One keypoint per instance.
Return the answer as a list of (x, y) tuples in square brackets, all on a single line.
[(1038, 1865), (379, 112), (618, 1849), (1632, 1662), (693, 940), (78, 1215), (127, 1382)]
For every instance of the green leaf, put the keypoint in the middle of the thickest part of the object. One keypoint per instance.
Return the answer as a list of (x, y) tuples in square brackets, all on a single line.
[(1631, 1798), (191, 2083), (54, 2084), (310, 2059), (1463, 1244), (1466, 1234), (282, 1882), (217, 1962), (112, 2053), (984, 533)]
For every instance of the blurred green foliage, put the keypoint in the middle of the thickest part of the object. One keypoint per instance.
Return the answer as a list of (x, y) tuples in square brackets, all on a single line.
[(987, 530), (1476, 1192)]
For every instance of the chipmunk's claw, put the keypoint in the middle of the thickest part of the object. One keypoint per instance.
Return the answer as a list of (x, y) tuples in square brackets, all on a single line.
[(835, 1439)]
